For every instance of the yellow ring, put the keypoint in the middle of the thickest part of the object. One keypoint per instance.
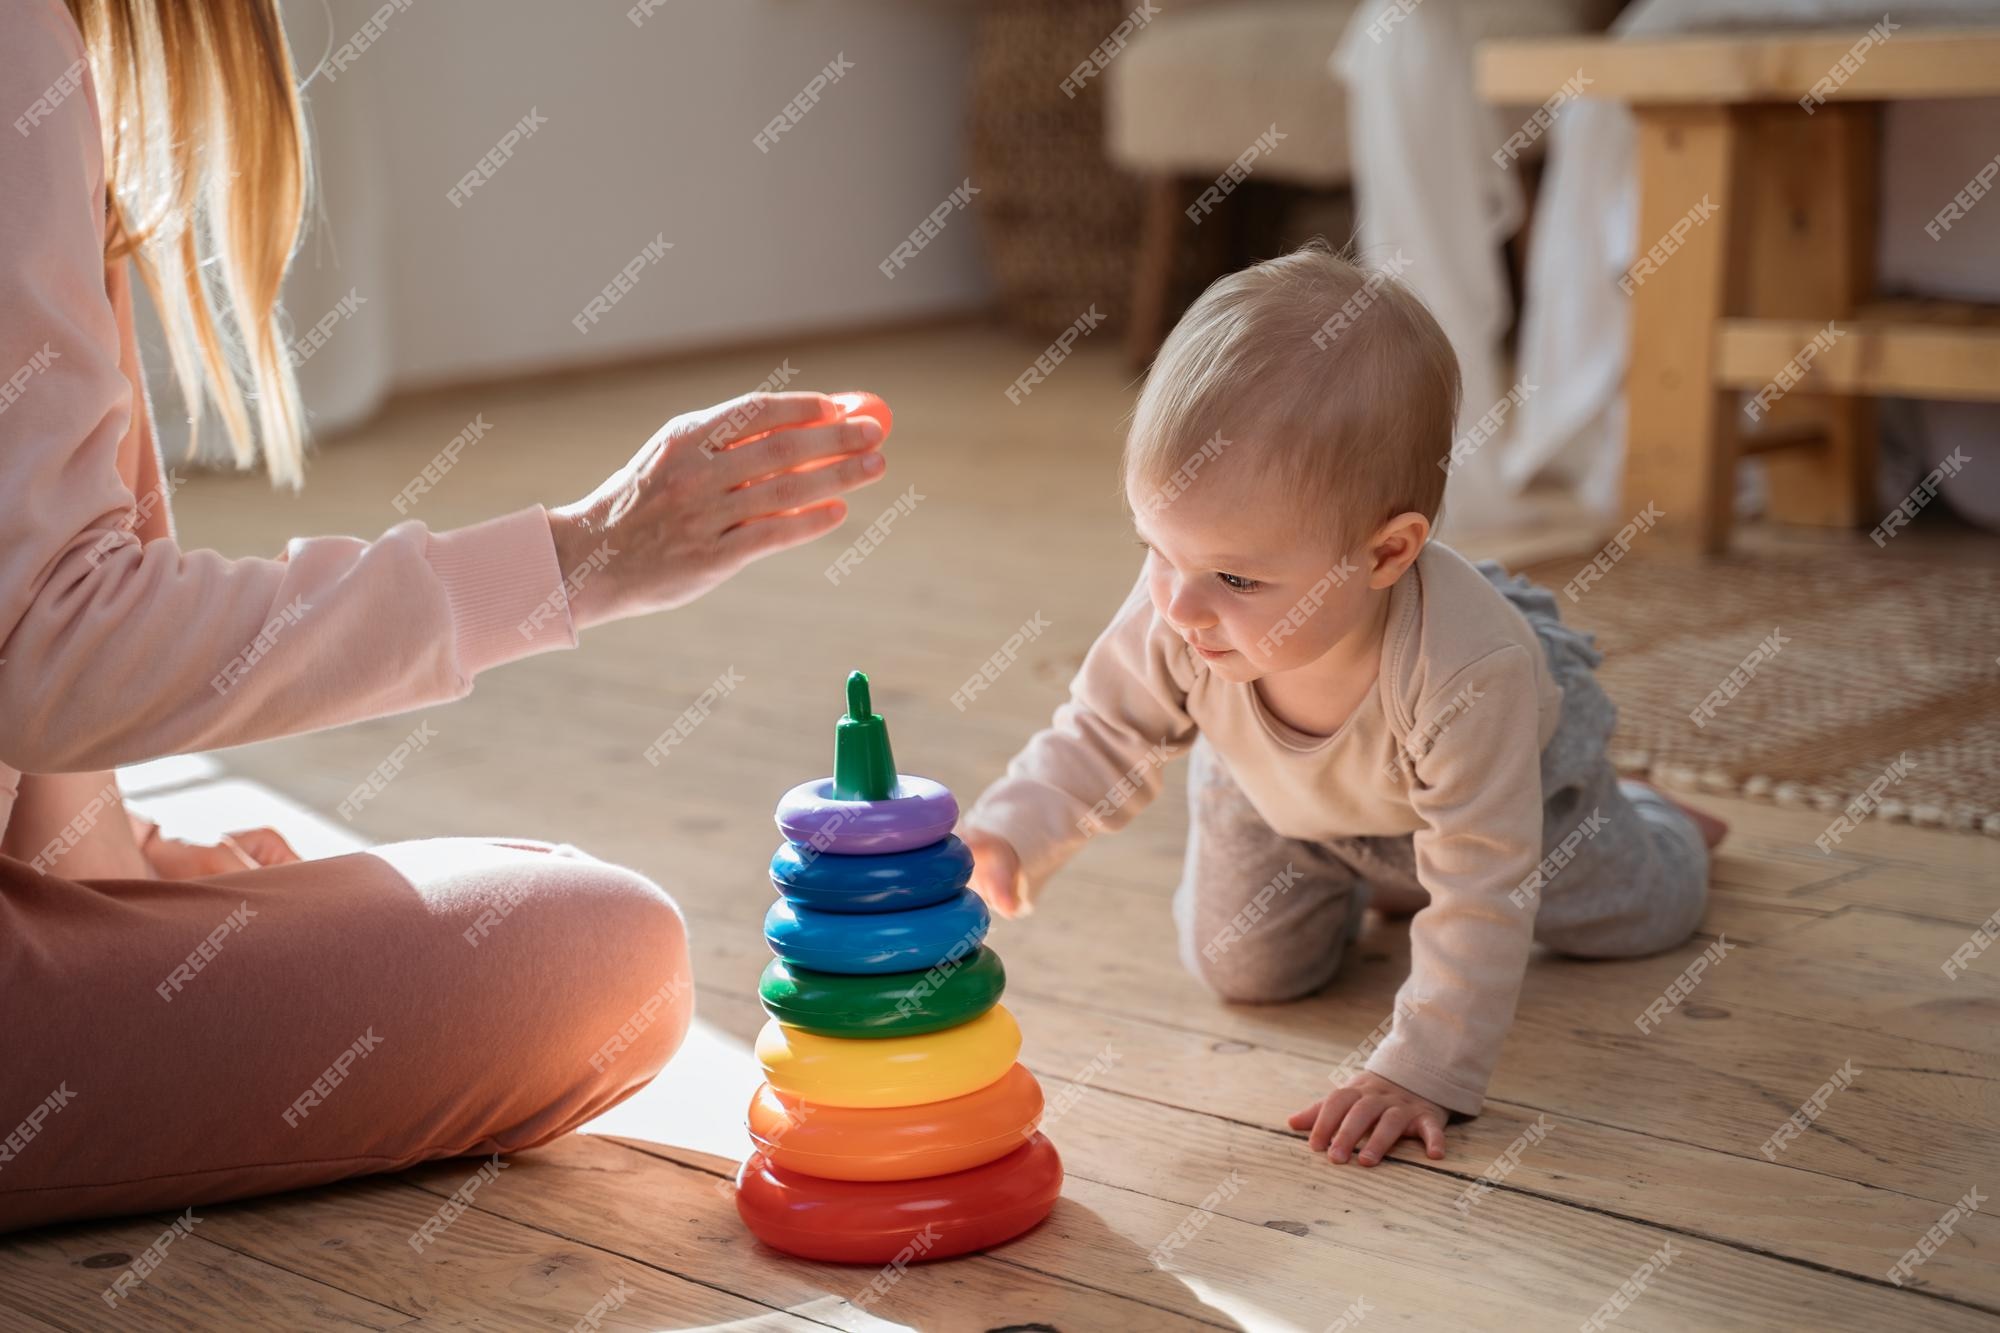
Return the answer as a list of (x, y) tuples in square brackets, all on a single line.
[(890, 1071)]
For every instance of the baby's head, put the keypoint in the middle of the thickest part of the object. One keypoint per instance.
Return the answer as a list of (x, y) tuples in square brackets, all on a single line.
[(1284, 459)]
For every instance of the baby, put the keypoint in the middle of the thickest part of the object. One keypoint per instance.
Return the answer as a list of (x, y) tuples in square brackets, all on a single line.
[(1373, 718)]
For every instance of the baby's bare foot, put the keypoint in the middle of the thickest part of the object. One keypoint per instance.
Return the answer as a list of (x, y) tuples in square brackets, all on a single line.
[(1713, 830)]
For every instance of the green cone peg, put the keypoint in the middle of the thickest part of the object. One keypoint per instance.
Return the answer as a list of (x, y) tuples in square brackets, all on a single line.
[(863, 768)]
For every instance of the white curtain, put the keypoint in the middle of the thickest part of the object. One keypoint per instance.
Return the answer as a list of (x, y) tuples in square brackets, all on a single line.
[(1448, 217)]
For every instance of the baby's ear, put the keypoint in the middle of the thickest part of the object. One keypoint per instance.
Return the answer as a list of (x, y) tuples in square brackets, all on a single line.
[(1395, 547)]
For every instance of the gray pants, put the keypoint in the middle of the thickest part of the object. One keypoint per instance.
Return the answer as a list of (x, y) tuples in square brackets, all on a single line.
[(1263, 918)]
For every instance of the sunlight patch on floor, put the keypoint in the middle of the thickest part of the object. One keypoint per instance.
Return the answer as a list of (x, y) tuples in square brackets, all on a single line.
[(699, 1101), (203, 811), (1239, 1307)]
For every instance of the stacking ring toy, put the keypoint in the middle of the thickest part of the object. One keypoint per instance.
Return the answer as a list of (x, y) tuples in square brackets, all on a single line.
[(883, 1004), (901, 1142), (886, 883), (865, 942), (916, 813), (876, 1222), (889, 1071)]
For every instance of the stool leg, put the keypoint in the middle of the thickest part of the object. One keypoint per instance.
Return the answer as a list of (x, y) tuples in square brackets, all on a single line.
[(1811, 256), (1153, 269), (1680, 433)]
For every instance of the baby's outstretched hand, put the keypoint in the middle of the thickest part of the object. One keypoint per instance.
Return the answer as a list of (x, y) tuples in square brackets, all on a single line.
[(996, 872), (1374, 1113)]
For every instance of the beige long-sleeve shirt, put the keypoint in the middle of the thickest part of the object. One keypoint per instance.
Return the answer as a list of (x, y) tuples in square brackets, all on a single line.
[(1447, 748)]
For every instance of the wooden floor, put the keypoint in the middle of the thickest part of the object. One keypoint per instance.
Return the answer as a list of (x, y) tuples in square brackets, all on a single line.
[(1651, 1140)]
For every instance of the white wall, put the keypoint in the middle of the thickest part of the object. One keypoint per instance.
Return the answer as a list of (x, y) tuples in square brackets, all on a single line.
[(649, 131)]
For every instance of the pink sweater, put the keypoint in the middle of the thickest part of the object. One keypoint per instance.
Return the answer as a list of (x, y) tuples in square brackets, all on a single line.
[(116, 645)]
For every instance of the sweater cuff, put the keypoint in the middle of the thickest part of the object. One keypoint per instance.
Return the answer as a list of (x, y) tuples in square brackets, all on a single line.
[(1006, 821), (505, 589)]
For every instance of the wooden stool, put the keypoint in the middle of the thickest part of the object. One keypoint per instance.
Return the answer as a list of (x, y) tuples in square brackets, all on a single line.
[(1788, 248)]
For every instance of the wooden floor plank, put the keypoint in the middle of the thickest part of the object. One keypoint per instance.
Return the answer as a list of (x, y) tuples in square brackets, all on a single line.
[(1304, 1280), (57, 1277), (1966, 897), (1753, 865), (1793, 831), (682, 1218), (1896, 947), (356, 1236), (1755, 920)]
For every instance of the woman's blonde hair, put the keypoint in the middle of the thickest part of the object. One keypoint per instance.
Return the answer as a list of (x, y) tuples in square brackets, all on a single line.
[(206, 174), (1337, 375)]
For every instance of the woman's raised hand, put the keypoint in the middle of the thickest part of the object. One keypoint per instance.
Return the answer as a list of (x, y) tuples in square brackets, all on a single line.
[(710, 492)]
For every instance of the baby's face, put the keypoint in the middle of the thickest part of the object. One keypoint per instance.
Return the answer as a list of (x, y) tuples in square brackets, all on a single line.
[(1249, 589)]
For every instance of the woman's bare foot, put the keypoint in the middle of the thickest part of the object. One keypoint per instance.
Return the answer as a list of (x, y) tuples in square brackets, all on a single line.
[(1713, 830)]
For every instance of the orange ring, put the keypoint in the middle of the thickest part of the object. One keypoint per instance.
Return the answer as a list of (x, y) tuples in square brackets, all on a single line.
[(901, 1142)]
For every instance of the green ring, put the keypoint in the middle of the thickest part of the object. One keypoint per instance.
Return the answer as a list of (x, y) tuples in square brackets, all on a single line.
[(841, 1005)]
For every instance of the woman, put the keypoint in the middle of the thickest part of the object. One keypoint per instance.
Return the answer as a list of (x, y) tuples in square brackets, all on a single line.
[(186, 1024)]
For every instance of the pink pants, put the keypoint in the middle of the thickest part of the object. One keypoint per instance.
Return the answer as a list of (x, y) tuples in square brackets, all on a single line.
[(166, 1044)]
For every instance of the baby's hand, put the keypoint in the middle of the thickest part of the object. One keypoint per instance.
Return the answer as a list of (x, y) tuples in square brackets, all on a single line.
[(1369, 1101), (996, 872)]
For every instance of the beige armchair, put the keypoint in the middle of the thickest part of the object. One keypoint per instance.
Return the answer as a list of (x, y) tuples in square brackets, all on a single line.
[(1204, 79)]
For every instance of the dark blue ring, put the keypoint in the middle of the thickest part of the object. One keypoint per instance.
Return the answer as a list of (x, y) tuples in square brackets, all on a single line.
[(883, 882), (865, 943)]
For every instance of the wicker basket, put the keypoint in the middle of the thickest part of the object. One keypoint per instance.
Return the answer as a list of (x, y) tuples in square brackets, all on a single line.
[(1059, 222)]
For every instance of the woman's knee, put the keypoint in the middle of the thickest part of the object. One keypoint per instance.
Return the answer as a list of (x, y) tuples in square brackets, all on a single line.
[(589, 960), (626, 936), (648, 994)]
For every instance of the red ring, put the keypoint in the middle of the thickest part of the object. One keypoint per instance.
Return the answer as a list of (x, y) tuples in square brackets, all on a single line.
[(880, 1221)]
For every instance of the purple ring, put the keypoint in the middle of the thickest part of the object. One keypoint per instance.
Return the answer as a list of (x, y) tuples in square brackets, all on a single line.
[(918, 813)]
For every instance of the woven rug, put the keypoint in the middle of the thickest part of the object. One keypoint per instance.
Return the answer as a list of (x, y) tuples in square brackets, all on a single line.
[(1850, 664)]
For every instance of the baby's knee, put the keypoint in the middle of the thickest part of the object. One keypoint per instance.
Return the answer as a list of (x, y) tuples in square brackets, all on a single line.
[(1243, 969), (1266, 985)]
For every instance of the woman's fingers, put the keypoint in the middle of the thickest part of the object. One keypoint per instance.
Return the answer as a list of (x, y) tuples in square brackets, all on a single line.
[(803, 447), (790, 491), (264, 846), (764, 536), (1388, 1130), (716, 429), (172, 858)]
